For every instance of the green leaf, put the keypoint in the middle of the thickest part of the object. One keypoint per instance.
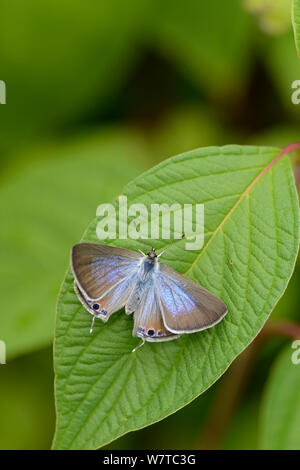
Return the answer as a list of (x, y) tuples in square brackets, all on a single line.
[(280, 411), (44, 206), (296, 23), (103, 390)]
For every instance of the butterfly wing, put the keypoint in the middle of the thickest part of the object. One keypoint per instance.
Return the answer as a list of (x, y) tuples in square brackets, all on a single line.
[(148, 321), (111, 302), (99, 268), (186, 306)]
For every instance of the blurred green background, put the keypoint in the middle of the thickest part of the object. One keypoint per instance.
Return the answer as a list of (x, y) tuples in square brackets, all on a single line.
[(97, 92)]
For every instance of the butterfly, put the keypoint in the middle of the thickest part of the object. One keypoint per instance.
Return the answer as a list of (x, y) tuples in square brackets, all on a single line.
[(164, 303)]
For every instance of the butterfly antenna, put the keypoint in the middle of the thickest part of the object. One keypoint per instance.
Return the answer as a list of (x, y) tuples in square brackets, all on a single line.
[(93, 323), (139, 346), (162, 252)]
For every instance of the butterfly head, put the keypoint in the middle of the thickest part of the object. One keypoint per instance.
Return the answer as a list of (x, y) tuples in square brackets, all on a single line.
[(151, 255)]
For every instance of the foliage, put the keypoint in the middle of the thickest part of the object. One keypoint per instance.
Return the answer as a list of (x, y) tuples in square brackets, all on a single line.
[(96, 94), (103, 390), (280, 411)]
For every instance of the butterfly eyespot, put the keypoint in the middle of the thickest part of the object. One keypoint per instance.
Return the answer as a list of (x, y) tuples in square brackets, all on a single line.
[(103, 311), (95, 306), (150, 332)]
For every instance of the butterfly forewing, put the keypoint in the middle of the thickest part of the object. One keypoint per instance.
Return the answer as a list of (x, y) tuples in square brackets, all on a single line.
[(186, 306), (98, 268)]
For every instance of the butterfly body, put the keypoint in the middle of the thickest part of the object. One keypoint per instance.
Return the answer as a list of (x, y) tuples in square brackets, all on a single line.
[(164, 303)]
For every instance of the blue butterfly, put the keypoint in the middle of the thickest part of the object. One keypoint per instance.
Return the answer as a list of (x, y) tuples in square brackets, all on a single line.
[(165, 303)]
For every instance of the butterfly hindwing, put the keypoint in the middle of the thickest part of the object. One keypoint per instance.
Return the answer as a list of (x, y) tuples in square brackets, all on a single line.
[(93, 306), (111, 302), (148, 321)]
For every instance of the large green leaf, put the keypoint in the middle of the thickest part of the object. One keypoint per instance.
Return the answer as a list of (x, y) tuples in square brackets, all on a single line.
[(103, 390), (280, 412), (44, 207)]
